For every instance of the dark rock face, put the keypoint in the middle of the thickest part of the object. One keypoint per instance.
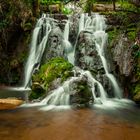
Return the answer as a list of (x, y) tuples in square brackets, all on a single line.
[(135, 2), (54, 45), (122, 56), (16, 25), (81, 93), (126, 66), (86, 56)]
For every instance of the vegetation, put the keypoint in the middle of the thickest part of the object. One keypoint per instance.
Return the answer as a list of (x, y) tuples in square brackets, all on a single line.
[(42, 80), (15, 26), (55, 68)]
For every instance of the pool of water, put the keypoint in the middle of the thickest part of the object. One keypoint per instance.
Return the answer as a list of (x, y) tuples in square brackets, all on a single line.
[(64, 123)]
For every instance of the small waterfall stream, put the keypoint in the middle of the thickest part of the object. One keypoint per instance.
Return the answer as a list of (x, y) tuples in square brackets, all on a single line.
[(67, 44), (94, 24), (40, 33), (100, 41)]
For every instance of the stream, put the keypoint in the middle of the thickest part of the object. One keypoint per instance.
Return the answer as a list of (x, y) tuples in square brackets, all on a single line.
[(65, 123)]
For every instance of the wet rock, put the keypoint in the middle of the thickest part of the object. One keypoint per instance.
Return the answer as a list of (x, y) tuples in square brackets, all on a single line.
[(37, 91), (54, 46), (106, 83), (10, 103), (50, 76), (81, 93), (122, 56), (86, 56)]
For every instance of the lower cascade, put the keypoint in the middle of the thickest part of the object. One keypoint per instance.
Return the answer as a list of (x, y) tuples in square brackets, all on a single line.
[(82, 42)]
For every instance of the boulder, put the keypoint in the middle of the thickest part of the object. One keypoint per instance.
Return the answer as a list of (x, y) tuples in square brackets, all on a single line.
[(81, 93), (122, 56), (54, 46), (86, 56), (10, 103)]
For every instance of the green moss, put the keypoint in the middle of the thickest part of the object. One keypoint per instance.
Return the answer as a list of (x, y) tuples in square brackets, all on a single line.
[(84, 94), (48, 2), (27, 26), (55, 68), (113, 34), (35, 95), (137, 89), (37, 91), (136, 93), (128, 6), (131, 34)]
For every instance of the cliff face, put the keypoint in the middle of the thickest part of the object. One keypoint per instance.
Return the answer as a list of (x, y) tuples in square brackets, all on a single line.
[(15, 27), (124, 42)]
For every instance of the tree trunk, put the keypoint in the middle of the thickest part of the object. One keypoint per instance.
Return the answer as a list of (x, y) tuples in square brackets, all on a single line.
[(36, 5), (114, 5)]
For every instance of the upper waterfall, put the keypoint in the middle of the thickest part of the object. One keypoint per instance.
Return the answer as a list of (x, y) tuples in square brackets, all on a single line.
[(37, 47)]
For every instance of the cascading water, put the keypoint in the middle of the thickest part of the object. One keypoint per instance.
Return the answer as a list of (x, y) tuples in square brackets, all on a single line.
[(41, 31), (67, 44), (60, 96), (96, 26), (100, 39)]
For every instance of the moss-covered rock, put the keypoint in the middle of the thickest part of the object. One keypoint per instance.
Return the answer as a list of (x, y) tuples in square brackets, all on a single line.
[(37, 91), (82, 93), (136, 91), (56, 68)]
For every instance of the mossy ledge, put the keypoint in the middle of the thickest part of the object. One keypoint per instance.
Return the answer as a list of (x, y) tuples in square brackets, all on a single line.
[(56, 68)]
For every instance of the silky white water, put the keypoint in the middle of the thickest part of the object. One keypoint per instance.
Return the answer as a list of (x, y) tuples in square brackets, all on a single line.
[(68, 47), (100, 39), (37, 49)]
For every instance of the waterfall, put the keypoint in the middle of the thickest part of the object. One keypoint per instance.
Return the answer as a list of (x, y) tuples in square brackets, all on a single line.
[(81, 23), (100, 39), (31, 59), (41, 31), (67, 44), (94, 24), (93, 81), (60, 96)]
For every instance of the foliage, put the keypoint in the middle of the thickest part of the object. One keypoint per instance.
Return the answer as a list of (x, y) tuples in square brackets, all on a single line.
[(113, 34), (127, 6), (55, 68), (15, 15), (48, 2), (88, 6), (37, 91)]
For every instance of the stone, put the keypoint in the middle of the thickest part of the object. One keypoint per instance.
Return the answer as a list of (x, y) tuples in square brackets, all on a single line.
[(55, 8), (122, 56), (86, 56), (10, 103), (54, 46), (81, 93)]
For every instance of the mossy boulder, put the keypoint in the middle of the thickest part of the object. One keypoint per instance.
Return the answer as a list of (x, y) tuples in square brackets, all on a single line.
[(136, 93), (37, 91), (82, 93), (43, 80)]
